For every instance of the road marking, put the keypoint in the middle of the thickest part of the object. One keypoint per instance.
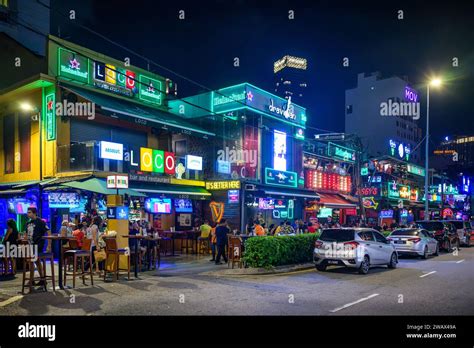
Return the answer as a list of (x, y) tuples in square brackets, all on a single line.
[(460, 261), (11, 300), (353, 303), (427, 274)]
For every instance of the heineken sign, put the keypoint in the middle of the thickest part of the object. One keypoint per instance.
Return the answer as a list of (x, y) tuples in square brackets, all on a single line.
[(150, 90), (341, 152), (413, 169), (50, 117), (73, 65)]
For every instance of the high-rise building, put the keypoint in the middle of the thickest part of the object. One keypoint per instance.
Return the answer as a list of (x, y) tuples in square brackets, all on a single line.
[(454, 155), (291, 77), (385, 113)]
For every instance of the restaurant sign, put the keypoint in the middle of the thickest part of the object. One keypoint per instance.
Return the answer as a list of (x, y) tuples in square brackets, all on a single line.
[(280, 178)]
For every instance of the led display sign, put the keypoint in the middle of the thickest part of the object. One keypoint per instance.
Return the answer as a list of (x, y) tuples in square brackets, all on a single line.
[(368, 191), (280, 178), (279, 150), (113, 151), (63, 200), (233, 196), (318, 180), (158, 205)]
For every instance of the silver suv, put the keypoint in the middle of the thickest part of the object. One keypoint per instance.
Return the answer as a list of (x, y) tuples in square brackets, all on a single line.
[(358, 248)]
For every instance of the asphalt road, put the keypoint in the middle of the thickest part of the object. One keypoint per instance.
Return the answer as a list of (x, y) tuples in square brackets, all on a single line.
[(182, 288)]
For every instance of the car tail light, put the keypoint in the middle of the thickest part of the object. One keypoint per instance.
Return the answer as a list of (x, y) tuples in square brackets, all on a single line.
[(414, 240), (352, 245), (318, 244)]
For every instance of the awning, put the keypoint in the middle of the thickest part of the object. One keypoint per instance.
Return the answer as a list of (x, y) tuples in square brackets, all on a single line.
[(294, 193), (173, 190), (350, 198), (99, 186), (334, 201), (132, 111)]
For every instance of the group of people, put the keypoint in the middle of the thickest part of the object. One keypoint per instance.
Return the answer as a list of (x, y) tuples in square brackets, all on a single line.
[(216, 235), (256, 227)]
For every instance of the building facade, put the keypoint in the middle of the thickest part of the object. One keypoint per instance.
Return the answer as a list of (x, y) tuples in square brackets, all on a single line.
[(291, 79)]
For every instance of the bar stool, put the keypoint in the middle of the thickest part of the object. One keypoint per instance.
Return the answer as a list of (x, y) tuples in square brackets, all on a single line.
[(113, 252), (29, 265), (83, 254), (204, 245), (165, 243)]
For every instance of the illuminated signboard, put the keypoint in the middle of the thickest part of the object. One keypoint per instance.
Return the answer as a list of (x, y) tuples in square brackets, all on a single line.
[(369, 203), (316, 179), (266, 203), (117, 181), (223, 167), (223, 185), (150, 90), (398, 191), (374, 178), (413, 169), (193, 162), (113, 151), (341, 152), (156, 161), (299, 134), (325, 212), (386, 214), (114, 79), (233, 196), (158, 205), (368, 191), (400, 150), (63, 200), (245, 95), (411, 95), (73, 66), (279, 150), (283, 209), (364, 171), (119, 213), (50, 116), (280, 178)]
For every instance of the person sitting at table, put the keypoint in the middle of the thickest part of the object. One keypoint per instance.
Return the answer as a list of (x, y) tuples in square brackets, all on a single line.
[(78, 233), (10, 238), (259, 229), (279, 228)]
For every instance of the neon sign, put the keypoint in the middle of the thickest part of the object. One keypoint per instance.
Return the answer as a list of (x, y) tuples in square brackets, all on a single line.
[(50, 116), (73, 66), (150, 90), (280, 178), (411, 95), (223, 185), (341, 152), (413, 169), (403, 151), (316, 179), (400, 191), (156, 161)]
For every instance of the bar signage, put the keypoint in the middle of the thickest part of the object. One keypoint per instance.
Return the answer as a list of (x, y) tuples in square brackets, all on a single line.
[(73, 65), (280, 178)]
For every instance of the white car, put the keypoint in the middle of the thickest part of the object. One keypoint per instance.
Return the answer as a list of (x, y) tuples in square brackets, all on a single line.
[(414, 241), (359, 248)]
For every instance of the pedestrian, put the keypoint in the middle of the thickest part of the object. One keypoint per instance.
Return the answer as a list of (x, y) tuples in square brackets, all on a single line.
[(250, 228), (213, 242), (10, 238), (222, 230), (36, 228)]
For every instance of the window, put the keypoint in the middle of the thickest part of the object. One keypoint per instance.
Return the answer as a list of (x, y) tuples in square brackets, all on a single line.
[(349, 109), (379, 238), (24, 134), (367, 236), (9, 143)]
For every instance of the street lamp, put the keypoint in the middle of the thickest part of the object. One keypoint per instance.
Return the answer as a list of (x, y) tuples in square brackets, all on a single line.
[(435, 82), (27, 107)]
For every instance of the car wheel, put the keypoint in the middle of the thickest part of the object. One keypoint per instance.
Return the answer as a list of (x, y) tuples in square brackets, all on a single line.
[(425, 253), (436, 253), (321, 268), (365, 265), (393, 261)]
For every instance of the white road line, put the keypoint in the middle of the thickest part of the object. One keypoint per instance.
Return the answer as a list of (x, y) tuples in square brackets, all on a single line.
[(353, 303), (11, 300), (460, 261), (427, 274)]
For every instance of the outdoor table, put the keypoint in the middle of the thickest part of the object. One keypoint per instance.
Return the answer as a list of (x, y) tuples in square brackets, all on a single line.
[(138, 237), (58, 238), (172, 234)]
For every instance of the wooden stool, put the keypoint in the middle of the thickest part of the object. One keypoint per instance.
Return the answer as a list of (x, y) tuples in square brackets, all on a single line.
[(83, 254), (29, 265), (113, 252), (204, 245)]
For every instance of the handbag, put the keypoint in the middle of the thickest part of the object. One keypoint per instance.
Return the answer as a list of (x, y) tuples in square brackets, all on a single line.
[(100, 255)]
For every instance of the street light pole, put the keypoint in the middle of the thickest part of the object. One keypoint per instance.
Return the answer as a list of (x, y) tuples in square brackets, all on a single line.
[(426, 216)]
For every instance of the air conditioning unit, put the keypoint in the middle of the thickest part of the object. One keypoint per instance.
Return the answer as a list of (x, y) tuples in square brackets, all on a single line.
[(250, 187)]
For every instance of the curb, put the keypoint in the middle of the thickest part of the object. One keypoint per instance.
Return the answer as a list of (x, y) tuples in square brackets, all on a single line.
[(260, 271)]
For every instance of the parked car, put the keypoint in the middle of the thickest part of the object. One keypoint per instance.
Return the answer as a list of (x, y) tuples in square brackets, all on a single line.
[(358, 248), (444, 232), (414, 241), (464, 231)]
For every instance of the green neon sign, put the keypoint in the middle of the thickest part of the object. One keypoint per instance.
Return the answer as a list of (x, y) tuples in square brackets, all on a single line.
[(364, 171), (50, 116), (150, 90), (413, 169), (72, 65), (341, 152)]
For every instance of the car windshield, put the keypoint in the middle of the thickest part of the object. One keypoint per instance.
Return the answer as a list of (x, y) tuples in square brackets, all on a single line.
[(337, 235), (431, 225), (405, 233)]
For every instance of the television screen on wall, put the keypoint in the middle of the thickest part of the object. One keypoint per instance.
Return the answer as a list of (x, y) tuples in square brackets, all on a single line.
[(183, 205), (158, 205)]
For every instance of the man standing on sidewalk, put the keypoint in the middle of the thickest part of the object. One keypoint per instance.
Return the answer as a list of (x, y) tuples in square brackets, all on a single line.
[(221, 234), (36, 229)]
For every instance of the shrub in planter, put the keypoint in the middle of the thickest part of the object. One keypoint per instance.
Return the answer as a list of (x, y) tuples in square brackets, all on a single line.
[(269, 251)]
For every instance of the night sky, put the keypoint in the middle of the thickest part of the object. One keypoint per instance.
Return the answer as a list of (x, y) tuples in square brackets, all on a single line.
[(202, 47)]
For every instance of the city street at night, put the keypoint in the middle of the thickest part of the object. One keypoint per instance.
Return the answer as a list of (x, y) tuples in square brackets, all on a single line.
[(236, 171)]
